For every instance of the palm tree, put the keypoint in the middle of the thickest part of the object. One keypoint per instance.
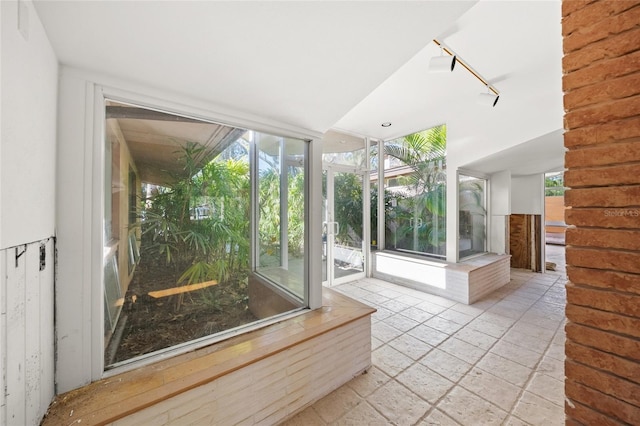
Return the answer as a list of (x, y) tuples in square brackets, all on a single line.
[(420, 214), (213, 246)]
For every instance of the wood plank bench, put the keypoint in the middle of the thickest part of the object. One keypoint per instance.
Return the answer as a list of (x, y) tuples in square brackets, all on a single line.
[(313, 341)]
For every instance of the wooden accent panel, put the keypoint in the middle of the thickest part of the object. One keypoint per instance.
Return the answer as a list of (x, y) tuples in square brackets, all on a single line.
[(520, 240), (165, 386), (525, 241)]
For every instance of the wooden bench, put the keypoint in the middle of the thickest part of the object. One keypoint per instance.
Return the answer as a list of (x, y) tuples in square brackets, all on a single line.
[(150, 394)]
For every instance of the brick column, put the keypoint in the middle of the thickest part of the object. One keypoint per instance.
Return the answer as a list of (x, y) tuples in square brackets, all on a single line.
[(601, 86)]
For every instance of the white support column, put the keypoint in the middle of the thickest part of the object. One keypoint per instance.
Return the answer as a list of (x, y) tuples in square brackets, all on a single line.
[(284, 207), (366, 205), (381, 212), (314, 223)]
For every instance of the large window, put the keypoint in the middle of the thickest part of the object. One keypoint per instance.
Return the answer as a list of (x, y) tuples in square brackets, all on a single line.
[(415, 190), (472, 223), (178, 229), (281, 185)]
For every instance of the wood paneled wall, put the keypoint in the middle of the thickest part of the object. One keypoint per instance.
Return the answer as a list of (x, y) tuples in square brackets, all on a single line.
[(525, 241), (26, 327)]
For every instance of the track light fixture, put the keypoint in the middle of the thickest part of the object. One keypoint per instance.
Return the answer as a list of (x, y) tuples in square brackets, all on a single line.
[(442, 63), (489, 99)]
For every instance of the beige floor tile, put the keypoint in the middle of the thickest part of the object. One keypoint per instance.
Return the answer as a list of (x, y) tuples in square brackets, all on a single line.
[(513, 304), (533, 330), (457, 317), (551, 367), (308, 417), (416, 314), (367, 383), (391, 294), (362, 414), (514, 421), (556, 351), (337, 403), (424, 382), (410, 346), (548, 388), (409, 300), (443, 325), (442, 301), (395, 306), (375, 298), (376, 343), (463, 350), (486, 327), (381, 313), (544, 320), (428, 335), (445, 364), (483, 304), (516, 353), (524, 299), (399, 405), (401, 322), (497, 319), (506, 369), (431, 307), (538, 411), (515, 324), (389, 360), (492, 388), (535, 344), (473, 310), (438, 418), (476, 338), (384, 332), (469, 409)]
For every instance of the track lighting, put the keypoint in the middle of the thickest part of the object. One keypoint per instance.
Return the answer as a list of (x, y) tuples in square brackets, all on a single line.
[(442, 63), (488, 99)]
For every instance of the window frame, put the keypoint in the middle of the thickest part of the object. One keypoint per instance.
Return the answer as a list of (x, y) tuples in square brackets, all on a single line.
[(93, 198), (382, 216), (487, 205)]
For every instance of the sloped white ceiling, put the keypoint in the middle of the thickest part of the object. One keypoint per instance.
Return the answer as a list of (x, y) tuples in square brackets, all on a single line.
[(517, 47), (302, 63), (341, 65)]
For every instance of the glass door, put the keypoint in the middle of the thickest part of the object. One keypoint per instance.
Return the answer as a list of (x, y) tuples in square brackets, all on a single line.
[(342, 230)]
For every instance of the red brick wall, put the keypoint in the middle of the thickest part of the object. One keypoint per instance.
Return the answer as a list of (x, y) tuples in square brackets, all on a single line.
[(601, 86)]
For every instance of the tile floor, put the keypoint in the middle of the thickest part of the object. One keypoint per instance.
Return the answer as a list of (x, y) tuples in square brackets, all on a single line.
[(438, 362)]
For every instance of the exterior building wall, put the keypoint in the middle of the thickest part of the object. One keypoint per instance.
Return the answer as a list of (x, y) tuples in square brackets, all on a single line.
[(601, 86)]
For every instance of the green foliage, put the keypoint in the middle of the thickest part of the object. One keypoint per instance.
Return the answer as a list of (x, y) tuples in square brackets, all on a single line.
[(348, 208), (416, 217), (269, 208), (212, 246), (554, 185)]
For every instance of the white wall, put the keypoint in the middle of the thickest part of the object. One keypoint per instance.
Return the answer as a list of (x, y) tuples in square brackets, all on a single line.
[(28, 126), (28, 87), (500, 208), (527, 194)]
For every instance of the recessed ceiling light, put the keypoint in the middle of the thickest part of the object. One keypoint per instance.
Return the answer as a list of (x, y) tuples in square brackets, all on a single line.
[(386, 124)]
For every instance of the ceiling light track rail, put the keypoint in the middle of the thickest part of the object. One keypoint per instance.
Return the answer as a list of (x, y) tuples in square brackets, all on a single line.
[(467, 67)]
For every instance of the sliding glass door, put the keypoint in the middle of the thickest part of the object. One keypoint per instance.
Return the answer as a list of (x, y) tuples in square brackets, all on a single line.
[(342, 232)]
